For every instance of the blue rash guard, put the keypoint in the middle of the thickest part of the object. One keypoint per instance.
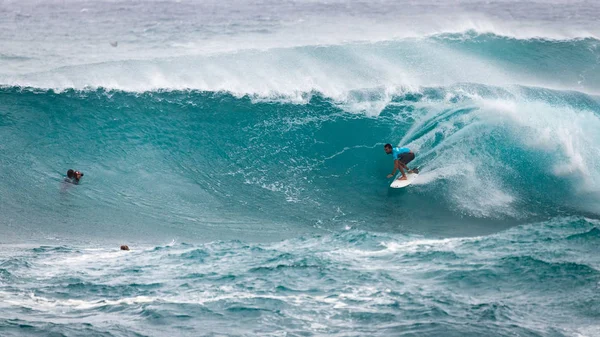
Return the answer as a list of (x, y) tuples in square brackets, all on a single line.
[(397, 151)]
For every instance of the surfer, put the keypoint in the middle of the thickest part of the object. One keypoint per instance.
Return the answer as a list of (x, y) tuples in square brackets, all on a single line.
[(402, 156), (73, 176)]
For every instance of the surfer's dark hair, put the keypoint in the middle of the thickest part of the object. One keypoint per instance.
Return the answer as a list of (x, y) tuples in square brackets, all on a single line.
[(386, 146), (70, 173)]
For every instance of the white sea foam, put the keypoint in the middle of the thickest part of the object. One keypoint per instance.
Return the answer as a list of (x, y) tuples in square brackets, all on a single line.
[(276, 50), (454, 147)]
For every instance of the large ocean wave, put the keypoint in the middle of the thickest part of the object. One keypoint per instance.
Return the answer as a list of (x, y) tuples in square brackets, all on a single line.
[(175, 162)]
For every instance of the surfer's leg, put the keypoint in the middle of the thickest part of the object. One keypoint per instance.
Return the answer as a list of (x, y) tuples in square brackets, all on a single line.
[(406, 158), (401, 167)]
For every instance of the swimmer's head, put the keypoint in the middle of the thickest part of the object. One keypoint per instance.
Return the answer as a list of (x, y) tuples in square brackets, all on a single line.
[(77, 175), (74, 174)]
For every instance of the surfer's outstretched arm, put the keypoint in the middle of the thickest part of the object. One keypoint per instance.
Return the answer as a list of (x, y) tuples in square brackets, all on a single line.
[(394, 170), (398, 165)]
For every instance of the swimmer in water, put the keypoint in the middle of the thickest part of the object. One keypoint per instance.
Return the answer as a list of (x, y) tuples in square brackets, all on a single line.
[(73, 176)]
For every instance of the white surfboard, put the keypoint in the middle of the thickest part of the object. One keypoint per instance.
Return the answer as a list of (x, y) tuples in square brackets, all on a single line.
[(410, 177)]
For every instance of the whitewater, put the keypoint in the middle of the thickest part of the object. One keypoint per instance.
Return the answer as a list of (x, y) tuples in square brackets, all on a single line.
[(237, 148)]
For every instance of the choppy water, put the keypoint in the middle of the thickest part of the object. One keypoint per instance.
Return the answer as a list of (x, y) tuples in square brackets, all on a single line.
[(237, 149), (532, 280)]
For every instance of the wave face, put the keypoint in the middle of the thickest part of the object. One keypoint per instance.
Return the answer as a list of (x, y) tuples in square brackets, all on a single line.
[(250, 136), (189, 160)]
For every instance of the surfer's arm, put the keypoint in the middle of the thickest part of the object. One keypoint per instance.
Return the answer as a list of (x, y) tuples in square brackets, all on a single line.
[(396, 167)]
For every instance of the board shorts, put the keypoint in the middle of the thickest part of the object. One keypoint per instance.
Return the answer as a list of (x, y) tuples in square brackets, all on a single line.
[(406, 158)]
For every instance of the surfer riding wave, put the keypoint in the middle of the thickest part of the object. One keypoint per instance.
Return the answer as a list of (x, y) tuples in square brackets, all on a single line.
[(402, 156)]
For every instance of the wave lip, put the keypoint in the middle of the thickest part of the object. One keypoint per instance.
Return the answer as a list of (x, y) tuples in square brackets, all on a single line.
[(337, 71)]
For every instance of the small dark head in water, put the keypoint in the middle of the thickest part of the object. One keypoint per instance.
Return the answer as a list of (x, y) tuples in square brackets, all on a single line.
[(74, 175), (124, 247)]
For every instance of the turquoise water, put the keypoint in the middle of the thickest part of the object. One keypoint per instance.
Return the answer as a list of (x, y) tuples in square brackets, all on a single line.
[(533, 280), (249, 180)]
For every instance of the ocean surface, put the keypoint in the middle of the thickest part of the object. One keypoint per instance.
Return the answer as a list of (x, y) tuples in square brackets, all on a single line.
[(237, 148)]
